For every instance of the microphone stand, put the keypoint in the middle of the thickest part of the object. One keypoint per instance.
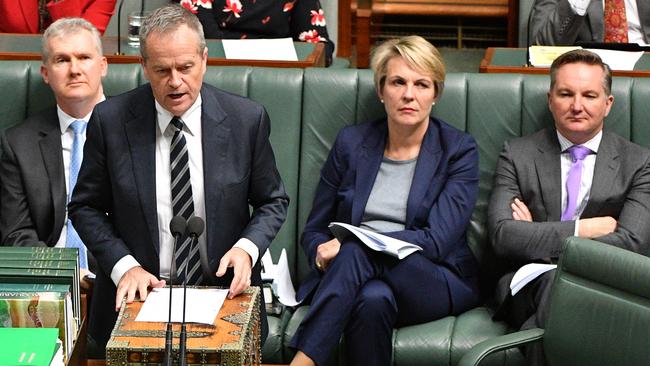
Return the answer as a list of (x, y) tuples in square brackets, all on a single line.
[(177, 226), (195, 227)]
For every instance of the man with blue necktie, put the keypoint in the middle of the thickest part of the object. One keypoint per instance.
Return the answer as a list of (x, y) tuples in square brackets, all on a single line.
[(42, 155), (573, 179)]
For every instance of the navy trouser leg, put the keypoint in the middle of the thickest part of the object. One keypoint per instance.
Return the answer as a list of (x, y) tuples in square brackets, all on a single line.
[(334, 300), (370, 327)]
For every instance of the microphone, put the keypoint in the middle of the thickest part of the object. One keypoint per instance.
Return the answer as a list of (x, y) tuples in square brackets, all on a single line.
[(177, 227), (195, 226), (119, 28)]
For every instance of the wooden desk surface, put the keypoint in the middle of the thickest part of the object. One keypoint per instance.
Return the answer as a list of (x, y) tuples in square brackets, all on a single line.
[(28, 47), (513, 61)]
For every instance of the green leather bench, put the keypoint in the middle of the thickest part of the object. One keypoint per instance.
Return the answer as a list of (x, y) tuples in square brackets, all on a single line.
[(308, 107)]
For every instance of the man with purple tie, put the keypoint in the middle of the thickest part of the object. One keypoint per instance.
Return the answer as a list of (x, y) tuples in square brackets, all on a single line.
[(573, 179)]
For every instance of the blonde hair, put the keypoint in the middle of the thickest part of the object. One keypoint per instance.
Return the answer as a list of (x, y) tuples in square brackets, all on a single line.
[(417, 52), (65, 27)]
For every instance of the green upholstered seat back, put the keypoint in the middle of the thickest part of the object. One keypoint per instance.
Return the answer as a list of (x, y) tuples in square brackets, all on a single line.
[(308, 107), (600, 307)]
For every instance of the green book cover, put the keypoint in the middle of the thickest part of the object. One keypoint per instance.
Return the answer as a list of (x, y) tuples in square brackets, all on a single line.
[(39, 252), (39, 310), (27, 346), (34, 287), (38, 263)]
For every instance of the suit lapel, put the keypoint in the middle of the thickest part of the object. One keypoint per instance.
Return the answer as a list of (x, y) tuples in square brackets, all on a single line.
[(547, 166), (425, 169), (50, 146), (605, 171), (596, 15), (215, 130), (141, 137), (644, 16), (371, 155)]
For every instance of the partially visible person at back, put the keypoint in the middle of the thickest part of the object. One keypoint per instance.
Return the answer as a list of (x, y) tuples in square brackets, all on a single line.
[(572, 179), (34, 16), (41, 156), (409, 176), (302, 20), (567, 22)]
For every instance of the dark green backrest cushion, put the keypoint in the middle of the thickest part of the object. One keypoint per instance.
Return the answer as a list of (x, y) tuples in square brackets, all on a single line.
[(600, 307)]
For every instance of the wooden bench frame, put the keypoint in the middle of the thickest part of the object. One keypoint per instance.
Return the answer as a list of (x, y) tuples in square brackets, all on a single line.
[(367, 11)]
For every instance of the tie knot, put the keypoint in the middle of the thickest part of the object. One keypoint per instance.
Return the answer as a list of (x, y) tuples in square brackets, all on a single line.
[(578, 152), (78, 127), (177, 123)]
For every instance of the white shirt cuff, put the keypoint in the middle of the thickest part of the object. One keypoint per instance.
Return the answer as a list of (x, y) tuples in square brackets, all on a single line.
[(121, 267), (577, 228), (250, 248), (579, 6)]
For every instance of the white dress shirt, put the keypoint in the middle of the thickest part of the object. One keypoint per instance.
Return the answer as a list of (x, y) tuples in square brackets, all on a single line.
[(634, 30), (164, 134), (588, 165), (67, 138)]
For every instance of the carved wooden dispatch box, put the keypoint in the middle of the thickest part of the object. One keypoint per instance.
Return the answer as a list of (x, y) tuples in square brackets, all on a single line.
[(233, 339)]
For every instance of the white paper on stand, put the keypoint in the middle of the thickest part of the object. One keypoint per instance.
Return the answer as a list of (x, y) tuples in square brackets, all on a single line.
[(281, 277), (381, 243), (276, 49), (202, 305), (527, 273)]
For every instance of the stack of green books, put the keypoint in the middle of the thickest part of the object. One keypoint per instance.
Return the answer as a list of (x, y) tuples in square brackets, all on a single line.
[(39, 288)]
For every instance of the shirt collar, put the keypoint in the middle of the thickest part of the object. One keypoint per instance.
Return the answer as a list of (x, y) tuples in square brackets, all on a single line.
[(65, 120), (592, 144), (190, 118)]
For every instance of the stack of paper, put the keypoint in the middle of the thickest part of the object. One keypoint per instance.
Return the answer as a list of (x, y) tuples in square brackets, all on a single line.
[(528, 273), (381, 243)]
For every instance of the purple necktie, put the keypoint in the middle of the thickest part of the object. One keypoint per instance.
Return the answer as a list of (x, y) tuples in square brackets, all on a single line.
[(578, 153)]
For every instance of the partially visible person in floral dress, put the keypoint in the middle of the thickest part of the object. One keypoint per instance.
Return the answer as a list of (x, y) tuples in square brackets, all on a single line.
[(302, 20)]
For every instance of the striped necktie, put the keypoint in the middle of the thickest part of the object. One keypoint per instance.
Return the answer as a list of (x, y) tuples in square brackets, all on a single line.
[(72, 238), (186, 257)]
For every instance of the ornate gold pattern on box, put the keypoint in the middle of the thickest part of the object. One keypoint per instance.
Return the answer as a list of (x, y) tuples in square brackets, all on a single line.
[(233, 339)]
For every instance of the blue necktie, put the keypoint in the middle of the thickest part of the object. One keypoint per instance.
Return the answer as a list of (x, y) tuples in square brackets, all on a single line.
[(73, 240)]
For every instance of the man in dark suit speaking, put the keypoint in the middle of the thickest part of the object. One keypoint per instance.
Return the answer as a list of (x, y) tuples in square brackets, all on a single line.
[(41, 156), (175, 147), (574, 179)]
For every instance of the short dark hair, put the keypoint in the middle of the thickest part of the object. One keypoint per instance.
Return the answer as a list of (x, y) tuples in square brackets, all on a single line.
[(583, 57)]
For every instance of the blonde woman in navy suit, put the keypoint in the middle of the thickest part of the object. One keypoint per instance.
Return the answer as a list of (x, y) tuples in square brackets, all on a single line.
[(412, 177)]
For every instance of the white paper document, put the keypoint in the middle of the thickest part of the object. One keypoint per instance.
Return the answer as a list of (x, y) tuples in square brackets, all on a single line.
[(381, 243), (281, 277), (202, 305), (527, 273), (276, 49), (618, 60)]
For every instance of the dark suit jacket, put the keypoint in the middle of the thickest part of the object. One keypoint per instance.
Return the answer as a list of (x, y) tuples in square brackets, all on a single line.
[(440, 202), (32, 193), (114, 202), (554, 23), (32, 184), (529, 168)]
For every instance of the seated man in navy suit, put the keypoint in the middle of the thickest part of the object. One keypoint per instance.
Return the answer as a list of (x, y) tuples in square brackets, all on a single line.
[(41, 156), (175, 147)]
